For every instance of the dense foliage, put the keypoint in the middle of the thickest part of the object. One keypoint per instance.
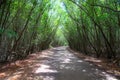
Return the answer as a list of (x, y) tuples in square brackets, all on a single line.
[(94, 27), (25, 27)]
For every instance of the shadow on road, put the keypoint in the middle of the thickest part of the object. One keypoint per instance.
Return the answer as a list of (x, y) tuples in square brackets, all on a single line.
[(53, 64)]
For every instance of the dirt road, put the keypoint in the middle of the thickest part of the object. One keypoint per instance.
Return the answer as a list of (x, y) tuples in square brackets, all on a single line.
[(54, 64)]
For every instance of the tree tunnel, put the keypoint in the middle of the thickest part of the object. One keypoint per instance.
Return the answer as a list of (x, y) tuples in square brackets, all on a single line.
[(88, 26)]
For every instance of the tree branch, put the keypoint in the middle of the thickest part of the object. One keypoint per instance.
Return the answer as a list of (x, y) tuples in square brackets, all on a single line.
[(106, 7)]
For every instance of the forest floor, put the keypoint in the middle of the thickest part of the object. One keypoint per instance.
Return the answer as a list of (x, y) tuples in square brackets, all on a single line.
[(54, 64)]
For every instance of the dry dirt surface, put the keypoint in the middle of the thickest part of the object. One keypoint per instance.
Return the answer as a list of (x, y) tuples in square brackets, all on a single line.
[(53, 64)]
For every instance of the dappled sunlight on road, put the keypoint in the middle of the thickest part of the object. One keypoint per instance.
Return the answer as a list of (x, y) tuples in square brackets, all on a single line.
[(48, 78), (108, 77), (54, 64), (92, 59), (67, 61), (45, 69)]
